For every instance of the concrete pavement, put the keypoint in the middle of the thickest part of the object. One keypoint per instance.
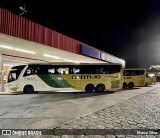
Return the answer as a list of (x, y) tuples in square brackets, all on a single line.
[(141, 112), (126, 109), (6, 93)]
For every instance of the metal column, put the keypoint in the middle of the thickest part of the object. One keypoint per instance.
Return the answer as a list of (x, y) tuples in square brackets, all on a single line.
[(2, 73)]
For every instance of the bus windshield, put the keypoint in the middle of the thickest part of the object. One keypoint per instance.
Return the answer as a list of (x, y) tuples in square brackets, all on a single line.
[(15, 72)]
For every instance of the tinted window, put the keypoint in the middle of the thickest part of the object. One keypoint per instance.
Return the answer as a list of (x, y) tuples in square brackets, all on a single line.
[(72, 69), (39, 69), (96, 69)]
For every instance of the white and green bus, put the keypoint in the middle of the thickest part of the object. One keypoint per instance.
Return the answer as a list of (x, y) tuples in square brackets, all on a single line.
[(63, 76)]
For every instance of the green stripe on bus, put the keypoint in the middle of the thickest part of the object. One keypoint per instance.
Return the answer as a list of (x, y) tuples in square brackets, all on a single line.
[(54, 81)]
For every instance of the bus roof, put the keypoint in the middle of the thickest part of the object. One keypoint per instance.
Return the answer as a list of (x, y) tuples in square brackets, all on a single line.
[(66, 63), (71, 63), (134, 69)]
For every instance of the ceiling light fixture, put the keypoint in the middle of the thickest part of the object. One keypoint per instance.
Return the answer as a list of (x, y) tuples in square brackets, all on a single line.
[(7, 47), (71, 61), (23, 50), (46, 55)]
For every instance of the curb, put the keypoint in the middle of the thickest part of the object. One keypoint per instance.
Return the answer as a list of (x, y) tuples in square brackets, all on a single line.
[(7, 93)]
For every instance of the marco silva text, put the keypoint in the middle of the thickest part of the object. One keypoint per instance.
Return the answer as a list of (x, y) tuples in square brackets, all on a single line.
[(147, 132)]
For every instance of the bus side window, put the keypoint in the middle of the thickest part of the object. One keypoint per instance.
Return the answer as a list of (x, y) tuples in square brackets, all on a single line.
[(51, 71), (28, 71), (102, 71), (62, 72), (76, 71), (126, 73)]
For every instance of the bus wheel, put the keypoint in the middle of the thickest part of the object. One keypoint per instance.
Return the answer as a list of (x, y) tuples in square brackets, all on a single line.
[(124, 85), (146, 84), (28, 89), (130, 85), (100, 88), (89, 88)]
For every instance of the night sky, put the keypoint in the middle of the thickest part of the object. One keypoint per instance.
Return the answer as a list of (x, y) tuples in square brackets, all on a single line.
[(128, 29)]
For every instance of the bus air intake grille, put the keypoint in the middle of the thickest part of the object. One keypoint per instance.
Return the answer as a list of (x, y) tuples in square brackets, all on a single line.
[(115, 84)]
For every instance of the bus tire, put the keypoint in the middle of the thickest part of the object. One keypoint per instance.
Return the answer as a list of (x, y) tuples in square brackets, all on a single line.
[(89, 88), (124, 85), (100, 88), (28, 89), (130, 85), (146, 84)]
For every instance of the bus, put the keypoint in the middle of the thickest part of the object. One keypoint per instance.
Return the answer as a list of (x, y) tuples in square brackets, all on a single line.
[(150, 79), (133, 77), (63, 76)]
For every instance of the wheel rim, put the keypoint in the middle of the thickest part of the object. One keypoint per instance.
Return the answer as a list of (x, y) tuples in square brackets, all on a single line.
[(100, 88), (28, 89), (130, 85), (89, 88), (124, 85)]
